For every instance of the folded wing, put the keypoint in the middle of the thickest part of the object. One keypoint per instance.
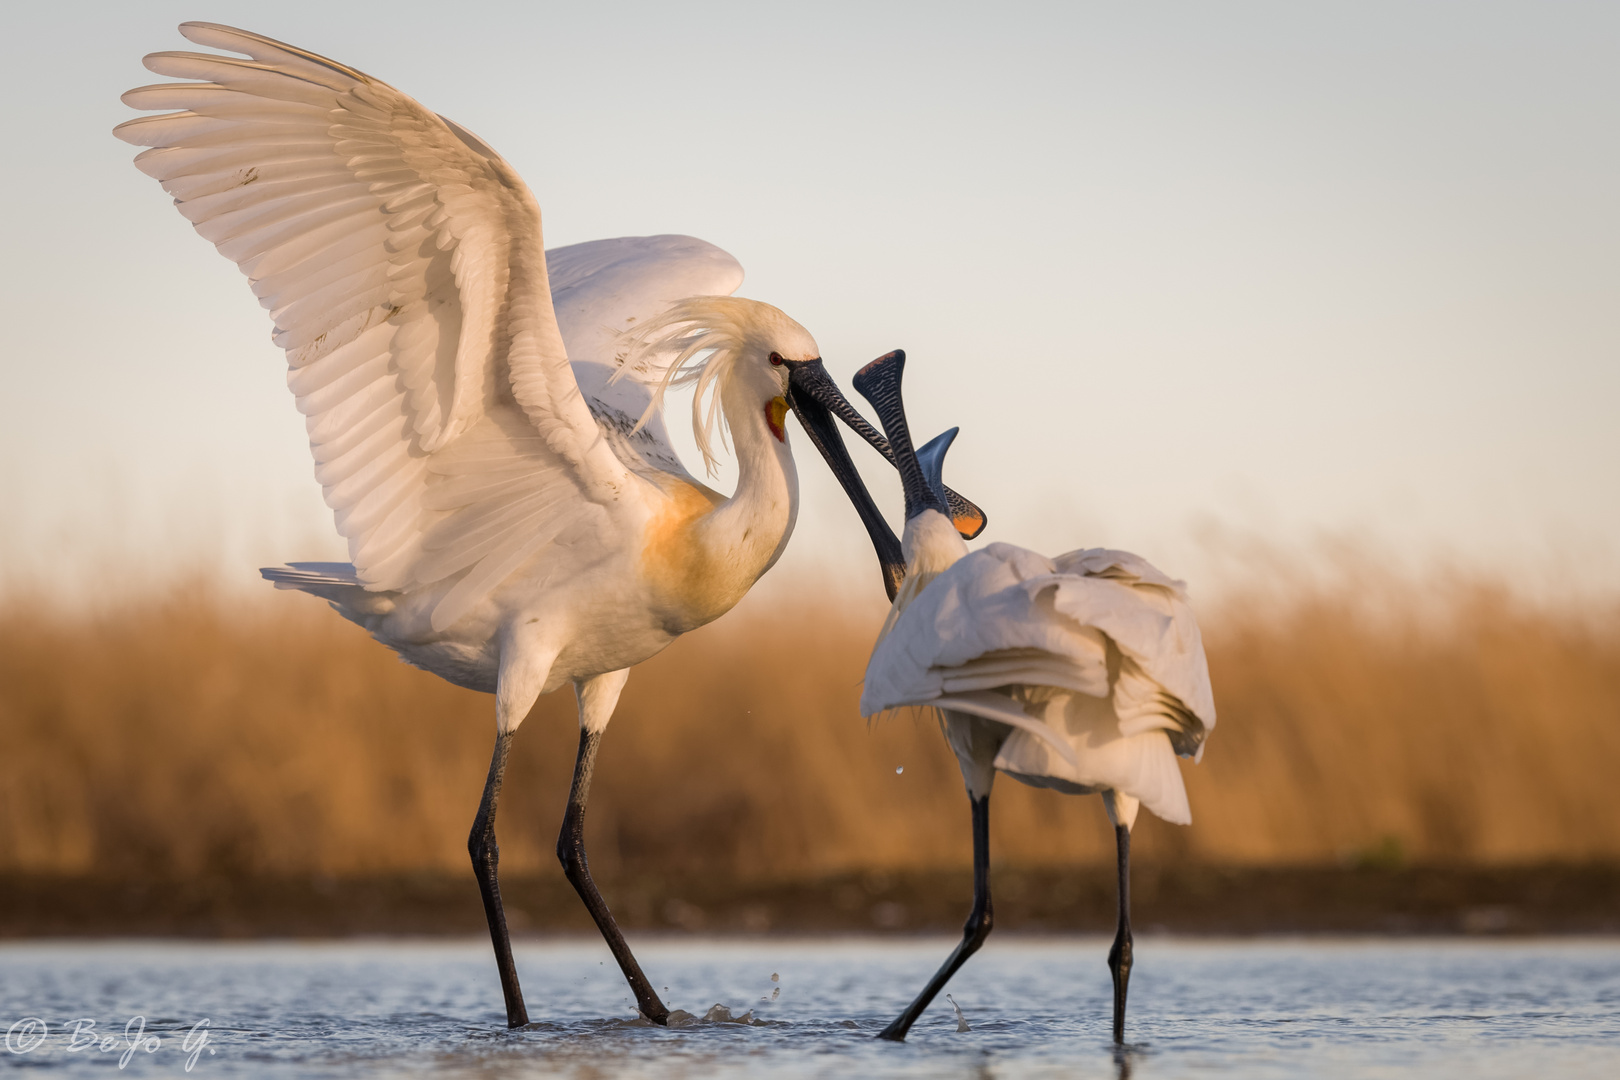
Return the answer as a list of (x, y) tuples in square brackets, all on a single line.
[(1093, 658)]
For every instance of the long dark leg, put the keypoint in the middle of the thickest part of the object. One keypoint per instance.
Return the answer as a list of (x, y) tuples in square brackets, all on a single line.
[(974, 932), (1119, 957), (485, 855), (571, 852)]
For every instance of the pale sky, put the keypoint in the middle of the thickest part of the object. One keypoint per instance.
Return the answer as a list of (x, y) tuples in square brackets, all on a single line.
[(1179, 271)]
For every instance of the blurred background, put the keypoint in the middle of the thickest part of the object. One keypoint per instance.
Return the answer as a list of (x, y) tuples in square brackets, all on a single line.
[(1310, 305)]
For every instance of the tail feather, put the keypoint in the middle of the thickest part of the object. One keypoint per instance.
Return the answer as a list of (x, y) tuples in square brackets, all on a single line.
[(336, 582)]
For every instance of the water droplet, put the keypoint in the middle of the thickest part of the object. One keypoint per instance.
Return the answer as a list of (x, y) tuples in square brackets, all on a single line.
[(900, 770)]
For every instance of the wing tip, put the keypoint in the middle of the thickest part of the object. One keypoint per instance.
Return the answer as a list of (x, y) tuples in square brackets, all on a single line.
[(220, 36), (138, 130)]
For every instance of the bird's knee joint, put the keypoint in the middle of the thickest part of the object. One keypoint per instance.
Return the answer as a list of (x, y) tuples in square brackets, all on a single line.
[(483, 848), (573, 860)]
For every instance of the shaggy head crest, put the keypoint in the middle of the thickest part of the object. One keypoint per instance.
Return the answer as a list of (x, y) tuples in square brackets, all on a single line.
[(701, 340)]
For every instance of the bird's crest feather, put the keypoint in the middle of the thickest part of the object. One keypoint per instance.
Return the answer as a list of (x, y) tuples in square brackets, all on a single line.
[(699, 341)]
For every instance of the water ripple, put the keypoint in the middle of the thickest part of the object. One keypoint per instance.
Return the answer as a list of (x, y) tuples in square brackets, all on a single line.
[(806, 1008)]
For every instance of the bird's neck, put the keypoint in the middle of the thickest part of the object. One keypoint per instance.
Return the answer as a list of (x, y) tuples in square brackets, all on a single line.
[(755, 523), (931, 545), (721, 552)]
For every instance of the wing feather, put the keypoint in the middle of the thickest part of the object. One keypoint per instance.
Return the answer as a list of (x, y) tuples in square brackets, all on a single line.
[(378, 502), (322, 373), (263, 192), (383, 439)]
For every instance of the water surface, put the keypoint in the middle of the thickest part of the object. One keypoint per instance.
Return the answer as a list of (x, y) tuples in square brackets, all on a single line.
[(1035, 1007)]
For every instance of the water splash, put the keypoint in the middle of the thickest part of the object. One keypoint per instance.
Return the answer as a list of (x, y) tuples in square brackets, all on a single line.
[(961, 1020), (719, 1014)]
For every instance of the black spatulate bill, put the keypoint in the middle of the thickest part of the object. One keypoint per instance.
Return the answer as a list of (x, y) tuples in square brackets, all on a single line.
[(810, 389)]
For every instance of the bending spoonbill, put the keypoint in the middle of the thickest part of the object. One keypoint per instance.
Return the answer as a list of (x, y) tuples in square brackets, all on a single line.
[(516, 523), (1084, 673)]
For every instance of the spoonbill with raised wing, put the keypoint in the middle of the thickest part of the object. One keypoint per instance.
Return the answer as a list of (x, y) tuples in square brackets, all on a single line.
[(516, 522)]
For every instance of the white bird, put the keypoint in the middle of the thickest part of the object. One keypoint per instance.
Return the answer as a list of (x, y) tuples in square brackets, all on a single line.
[(1084, 673), (516, 523)]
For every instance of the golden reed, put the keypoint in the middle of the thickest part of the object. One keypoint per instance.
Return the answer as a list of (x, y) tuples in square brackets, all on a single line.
[(194, 732)]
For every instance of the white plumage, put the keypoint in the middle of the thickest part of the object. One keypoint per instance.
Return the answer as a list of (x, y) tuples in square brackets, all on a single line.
[(1092, 661)]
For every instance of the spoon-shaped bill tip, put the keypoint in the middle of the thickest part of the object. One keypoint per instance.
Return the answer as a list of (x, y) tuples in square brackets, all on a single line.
[(879, 383), (931, 456)]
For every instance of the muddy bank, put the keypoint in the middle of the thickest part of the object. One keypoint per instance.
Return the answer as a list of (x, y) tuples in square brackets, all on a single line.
[(1181, 899)]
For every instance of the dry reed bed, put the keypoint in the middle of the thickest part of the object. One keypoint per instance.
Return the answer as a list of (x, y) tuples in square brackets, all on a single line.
[(192, 732)]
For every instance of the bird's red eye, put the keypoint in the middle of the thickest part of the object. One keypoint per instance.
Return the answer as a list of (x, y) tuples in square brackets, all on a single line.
[(776, 359)]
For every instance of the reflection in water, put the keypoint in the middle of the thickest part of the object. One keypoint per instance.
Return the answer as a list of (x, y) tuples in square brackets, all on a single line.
[(1255, 1009)]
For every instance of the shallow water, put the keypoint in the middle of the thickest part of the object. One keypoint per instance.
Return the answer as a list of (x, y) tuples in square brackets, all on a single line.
[(1036, 1008)]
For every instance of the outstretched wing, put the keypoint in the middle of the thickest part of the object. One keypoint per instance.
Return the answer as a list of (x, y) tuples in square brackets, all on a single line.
[(604, 288), (401, 260)]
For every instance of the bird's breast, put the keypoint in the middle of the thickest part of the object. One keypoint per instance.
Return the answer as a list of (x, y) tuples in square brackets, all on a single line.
[(695, 570)]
